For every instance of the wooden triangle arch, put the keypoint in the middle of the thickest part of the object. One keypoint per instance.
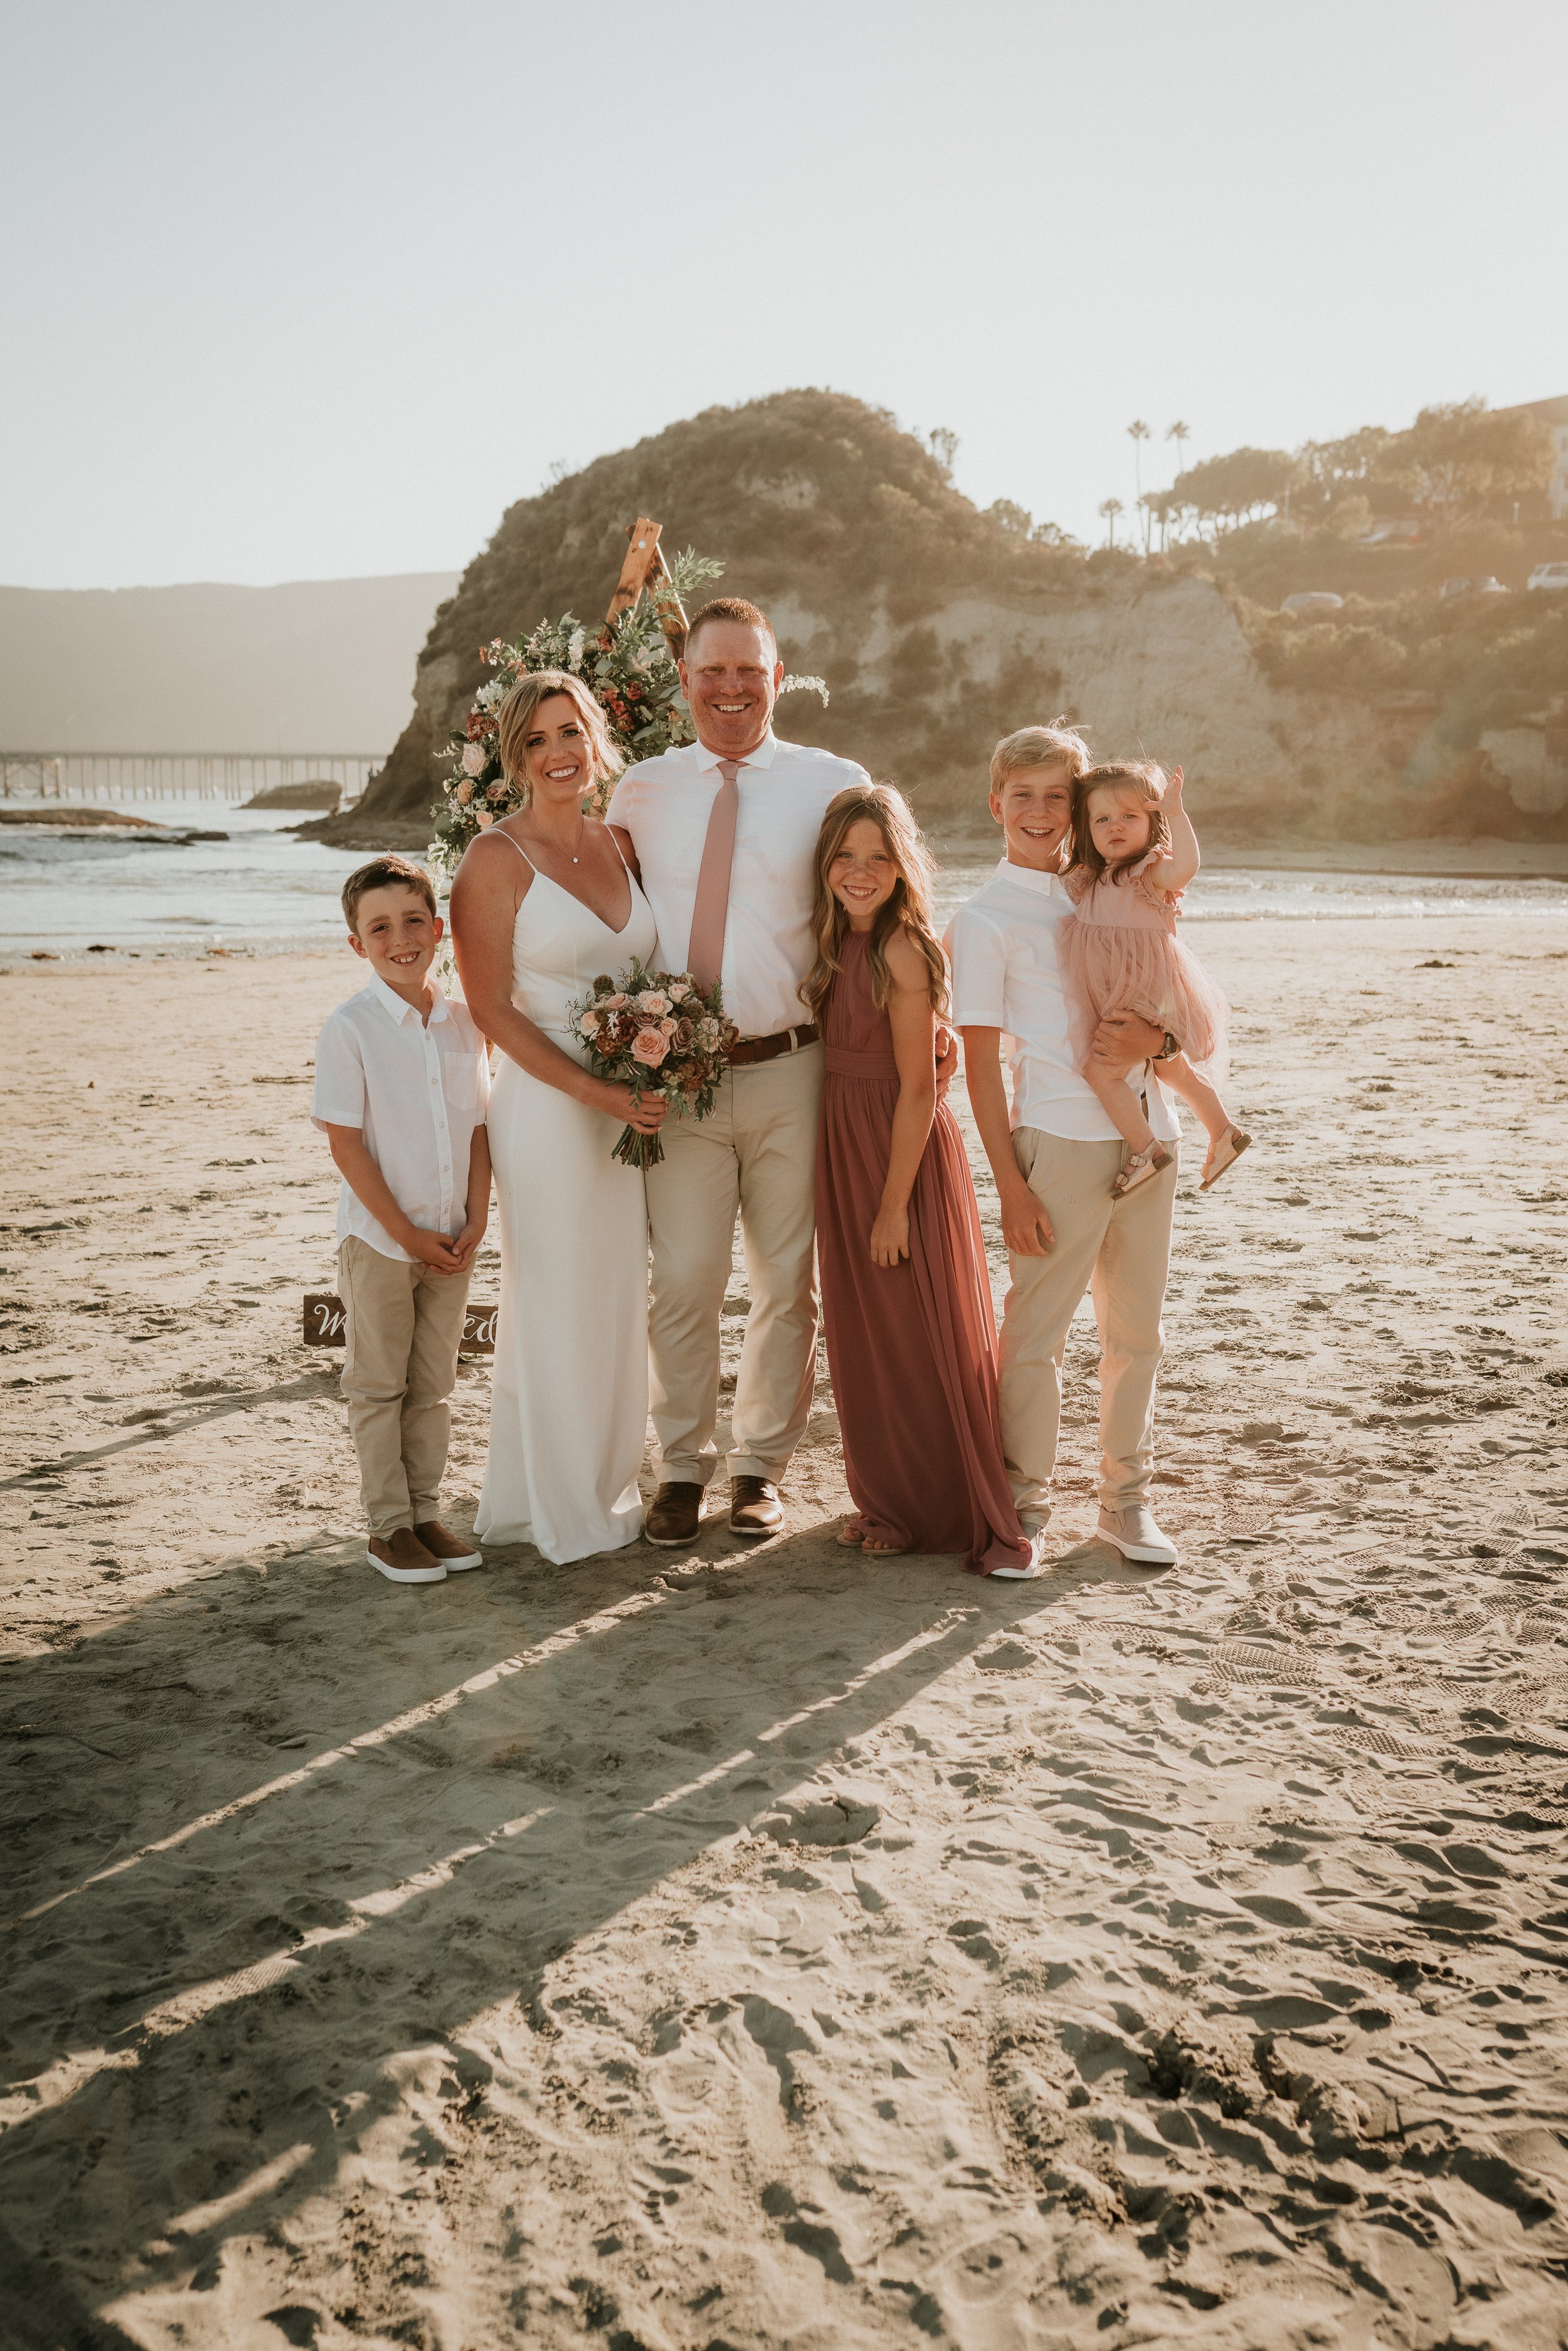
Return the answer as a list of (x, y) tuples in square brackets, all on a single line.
[(645, 568)]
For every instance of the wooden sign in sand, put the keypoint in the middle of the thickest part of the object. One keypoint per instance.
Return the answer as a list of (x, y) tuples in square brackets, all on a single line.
[(324, 1325)]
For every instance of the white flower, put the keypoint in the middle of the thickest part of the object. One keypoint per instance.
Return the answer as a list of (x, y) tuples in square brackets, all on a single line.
[(574, 650), (679, 991), (476, 758), (653, 1000)]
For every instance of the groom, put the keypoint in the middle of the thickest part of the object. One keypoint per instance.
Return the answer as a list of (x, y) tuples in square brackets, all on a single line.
[(723, 832)]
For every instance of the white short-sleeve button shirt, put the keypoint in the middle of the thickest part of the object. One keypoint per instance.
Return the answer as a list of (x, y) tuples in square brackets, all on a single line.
[(416, 1090), (1006, 975), (785, 787)]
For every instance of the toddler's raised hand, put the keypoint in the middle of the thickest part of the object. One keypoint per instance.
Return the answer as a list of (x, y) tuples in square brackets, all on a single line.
[(1172, 786)]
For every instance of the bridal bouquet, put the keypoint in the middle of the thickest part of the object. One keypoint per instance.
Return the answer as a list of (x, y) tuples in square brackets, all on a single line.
[(657, 1034)]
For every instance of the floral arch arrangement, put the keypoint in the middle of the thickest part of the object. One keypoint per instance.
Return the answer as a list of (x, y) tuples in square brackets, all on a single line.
[(627, 666)]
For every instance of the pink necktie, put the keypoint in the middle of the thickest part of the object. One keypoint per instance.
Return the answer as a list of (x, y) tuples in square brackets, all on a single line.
[(710, 908)]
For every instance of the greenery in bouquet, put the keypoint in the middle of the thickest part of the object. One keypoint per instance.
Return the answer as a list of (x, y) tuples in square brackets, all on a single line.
[(625, 664), (659, 1033)]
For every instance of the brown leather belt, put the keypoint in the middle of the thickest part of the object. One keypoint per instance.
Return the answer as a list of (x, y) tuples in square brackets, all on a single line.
[(768, 1048)]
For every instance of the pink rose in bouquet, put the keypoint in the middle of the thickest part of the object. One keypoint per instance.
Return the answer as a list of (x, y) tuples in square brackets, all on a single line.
[(635, 1036)]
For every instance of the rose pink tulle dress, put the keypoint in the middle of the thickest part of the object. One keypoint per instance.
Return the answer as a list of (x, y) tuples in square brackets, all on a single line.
[(1121, 954)]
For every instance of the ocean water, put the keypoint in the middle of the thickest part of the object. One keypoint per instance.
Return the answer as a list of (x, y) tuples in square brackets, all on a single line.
[(261, 888), (264, 890)]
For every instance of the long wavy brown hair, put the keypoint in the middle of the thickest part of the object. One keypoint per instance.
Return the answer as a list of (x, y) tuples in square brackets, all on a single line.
[(1145, 779), (907, 910)]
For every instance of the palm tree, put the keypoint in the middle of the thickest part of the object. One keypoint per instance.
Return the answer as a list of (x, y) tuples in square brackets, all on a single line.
[(1109, 508), (1137, 433), (1180, 434)]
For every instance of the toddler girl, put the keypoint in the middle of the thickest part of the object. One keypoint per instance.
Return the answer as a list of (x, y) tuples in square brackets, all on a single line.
[(1134, 852), (906, 1298)]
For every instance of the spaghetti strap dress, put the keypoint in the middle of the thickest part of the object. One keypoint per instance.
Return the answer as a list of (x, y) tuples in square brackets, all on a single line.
[(568, 1409), (912, 1348)]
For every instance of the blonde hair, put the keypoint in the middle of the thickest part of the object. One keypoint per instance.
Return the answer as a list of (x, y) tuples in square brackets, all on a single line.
[(908, 908), (514, 718), (1056, 745), (1145, 781)]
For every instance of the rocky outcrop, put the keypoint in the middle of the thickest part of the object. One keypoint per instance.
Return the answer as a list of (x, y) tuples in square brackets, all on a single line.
[(937, 627)]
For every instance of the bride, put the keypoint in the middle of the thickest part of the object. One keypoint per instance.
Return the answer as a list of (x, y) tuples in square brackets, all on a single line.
[(541, 903)]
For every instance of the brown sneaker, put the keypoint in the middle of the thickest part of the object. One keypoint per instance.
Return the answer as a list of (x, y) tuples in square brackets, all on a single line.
[(402, 1558), (450, 1550), (675, 1514), (754, 1507)]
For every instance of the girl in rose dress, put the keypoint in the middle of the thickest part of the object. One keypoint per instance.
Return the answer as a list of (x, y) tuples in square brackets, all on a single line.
[(906, 1298), (1134, 853)]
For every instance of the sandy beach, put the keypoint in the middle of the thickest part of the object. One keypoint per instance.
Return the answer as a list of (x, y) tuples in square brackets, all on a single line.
[(774, 1950)]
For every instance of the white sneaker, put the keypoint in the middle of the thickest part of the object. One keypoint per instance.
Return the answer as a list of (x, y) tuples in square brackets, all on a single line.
[(1133, 1532), (1028, 1569)]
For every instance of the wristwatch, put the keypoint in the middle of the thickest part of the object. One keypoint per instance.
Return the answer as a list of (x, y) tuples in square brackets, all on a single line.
[(1169, 1050)]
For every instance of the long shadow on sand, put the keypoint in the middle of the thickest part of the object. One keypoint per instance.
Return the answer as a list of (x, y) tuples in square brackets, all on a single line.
[(298, 1787)]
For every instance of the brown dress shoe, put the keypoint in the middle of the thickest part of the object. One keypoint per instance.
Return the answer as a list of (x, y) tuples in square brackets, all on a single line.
[(754, 1507), (675, 1514)]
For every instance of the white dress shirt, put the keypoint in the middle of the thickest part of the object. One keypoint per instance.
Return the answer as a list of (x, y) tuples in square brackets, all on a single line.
[(785, 787), (416, 1090), (1006, 975)]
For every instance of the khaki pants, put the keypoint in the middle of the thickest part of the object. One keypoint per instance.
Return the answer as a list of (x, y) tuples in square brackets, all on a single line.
[(404, 1324), (1120, 1250), (757, 1154)]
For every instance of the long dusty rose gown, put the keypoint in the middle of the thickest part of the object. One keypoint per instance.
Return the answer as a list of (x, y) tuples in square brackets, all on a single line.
[(912, 1347)]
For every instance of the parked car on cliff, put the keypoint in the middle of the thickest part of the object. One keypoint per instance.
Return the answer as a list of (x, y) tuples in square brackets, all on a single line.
[(1551, 577), (1313, 600), (1489, 586)]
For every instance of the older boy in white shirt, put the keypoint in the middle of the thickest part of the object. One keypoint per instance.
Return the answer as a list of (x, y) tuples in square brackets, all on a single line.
[(1055, 1155), (403, 1084)]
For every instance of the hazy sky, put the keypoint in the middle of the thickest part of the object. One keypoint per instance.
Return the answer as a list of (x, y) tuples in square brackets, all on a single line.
[(314, 287)]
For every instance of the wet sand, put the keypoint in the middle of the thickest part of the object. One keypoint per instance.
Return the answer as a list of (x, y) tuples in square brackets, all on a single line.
[(774, 1947)]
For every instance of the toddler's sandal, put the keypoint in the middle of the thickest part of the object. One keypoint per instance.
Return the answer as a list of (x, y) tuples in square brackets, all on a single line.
[(1223, 1154), (1139, 1169)]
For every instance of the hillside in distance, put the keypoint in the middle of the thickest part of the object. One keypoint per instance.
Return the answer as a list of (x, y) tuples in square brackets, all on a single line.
[(314, 665), (939, 626)]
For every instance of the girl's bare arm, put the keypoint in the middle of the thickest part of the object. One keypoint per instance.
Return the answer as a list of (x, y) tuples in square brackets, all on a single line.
[(1176, 871), (913, 1025)]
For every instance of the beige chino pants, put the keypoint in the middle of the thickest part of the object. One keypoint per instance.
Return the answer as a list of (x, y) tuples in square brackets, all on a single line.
[(755, 1154), (404, 1325), (1118, 1249)]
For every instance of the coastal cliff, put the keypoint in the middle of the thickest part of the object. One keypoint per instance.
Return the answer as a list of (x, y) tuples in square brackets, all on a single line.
[(939, 626)]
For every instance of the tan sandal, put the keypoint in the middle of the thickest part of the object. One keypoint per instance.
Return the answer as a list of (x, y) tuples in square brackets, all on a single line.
[(1223, 1154), (851, 1535), (1139, 1170)]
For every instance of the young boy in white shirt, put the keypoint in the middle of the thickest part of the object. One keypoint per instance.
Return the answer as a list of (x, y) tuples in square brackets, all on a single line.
[(1054, 1152), (401, 1089)]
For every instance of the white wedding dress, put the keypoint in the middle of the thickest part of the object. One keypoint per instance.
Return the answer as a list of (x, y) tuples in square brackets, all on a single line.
[(569, 1410)]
